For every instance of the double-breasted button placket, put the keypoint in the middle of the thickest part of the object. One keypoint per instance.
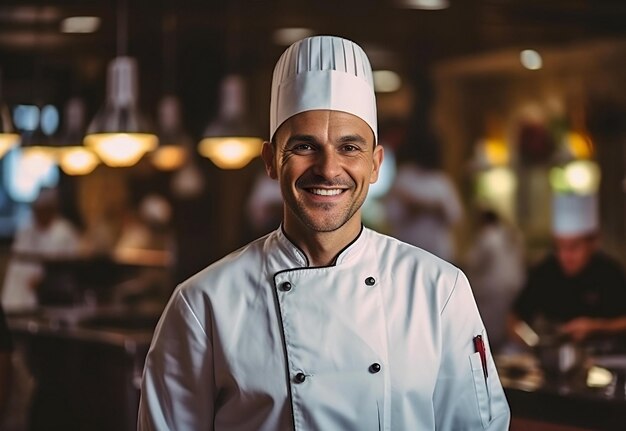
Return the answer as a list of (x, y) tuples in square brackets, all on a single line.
[(286, 286), (370, 281)]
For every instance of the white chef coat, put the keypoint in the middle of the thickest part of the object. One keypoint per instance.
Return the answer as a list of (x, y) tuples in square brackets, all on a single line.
[(381, 340), (423, 207), (59, 239)]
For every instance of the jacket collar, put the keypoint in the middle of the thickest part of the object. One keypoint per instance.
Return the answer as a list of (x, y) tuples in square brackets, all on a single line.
[(284, 254)]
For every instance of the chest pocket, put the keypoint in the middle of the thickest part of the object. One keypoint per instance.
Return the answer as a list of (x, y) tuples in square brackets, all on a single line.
[(481, 388)]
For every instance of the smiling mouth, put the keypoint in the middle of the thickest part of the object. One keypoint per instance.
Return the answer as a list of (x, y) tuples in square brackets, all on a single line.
[(326, 192)]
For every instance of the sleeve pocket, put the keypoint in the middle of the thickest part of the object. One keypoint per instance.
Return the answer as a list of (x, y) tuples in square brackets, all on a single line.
[(481, 389)]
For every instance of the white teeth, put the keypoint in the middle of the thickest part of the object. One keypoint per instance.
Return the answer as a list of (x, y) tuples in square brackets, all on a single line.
[(326, 192)]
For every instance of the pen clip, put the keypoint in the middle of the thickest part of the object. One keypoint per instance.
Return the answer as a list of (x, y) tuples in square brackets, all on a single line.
[(479, 346)]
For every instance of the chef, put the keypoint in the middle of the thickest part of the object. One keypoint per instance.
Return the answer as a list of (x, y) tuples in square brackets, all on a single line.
[(576, 290), (323, 324)]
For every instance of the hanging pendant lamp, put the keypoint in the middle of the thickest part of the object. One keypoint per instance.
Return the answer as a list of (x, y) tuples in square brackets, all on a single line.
[(119, 134), (230, 141), (174, 142), (72, 156)]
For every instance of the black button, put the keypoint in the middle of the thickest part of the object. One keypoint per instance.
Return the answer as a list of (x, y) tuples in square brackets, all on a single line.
[(286, 286), (374, 368), (299, 378), (370, 281)]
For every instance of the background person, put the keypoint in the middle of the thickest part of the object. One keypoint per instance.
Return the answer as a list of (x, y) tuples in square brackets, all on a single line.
[(576, 289), (423, 206), (495, 267), (47, 235)]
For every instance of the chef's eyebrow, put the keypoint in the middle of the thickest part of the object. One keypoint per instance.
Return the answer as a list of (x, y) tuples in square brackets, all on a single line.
[(309, 139), (353, 139)]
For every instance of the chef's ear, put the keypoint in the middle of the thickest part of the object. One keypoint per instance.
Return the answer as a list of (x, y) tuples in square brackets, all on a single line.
[(268, 155)]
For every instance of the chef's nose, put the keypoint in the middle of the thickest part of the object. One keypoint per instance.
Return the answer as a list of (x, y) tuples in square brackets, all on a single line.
[(328, 164)]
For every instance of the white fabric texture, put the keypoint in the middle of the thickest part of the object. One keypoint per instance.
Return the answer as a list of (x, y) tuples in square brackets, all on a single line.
[(423, 207), (230, 346), (323, 72), (495, 266)]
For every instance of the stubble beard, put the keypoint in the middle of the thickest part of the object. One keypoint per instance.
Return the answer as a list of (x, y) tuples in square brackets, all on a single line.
[(330, 219)]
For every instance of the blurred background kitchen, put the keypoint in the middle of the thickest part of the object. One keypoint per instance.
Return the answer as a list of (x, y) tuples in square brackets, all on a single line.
[(130, 135)]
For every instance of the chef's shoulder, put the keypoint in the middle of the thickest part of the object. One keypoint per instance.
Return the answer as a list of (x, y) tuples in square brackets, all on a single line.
[(419, 267), (229, 272)]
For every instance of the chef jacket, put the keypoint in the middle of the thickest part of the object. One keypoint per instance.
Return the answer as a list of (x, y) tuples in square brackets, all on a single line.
[(380, 340)]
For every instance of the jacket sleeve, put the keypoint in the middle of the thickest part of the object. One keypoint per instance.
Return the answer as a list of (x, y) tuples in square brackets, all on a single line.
[(464, 398), (177, 390)]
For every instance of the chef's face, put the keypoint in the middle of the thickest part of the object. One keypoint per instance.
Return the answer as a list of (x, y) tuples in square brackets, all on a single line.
[(574, 252), (324, 161)]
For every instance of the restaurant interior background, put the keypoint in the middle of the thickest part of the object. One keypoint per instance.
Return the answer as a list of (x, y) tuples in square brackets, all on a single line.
[(527, 97)]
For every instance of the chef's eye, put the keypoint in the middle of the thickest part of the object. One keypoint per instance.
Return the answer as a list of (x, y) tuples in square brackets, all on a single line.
[(350, 148), (303, 147)]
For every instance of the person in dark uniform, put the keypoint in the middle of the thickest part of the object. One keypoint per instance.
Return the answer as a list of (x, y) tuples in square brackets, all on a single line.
[(577, 288), (5, 362)]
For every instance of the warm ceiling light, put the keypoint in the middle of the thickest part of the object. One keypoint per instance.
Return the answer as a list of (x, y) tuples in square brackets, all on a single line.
[(287, 36), (72, 156), (579, 145), (231, 152), (386, 81), (531, 59), (7, 142), (496, 151), (583, 176), (77, 160), (120, 149), (497, 182), (229, 141), (169, 157), (8, 139), (80, 24), (174, 142), (424, 4), (119, 134)]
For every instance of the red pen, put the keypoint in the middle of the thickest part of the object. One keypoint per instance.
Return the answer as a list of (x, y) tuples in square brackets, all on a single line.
[(479, 346)]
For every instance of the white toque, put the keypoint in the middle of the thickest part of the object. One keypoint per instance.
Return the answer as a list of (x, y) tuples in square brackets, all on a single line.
[(574, 215), (323, 72)]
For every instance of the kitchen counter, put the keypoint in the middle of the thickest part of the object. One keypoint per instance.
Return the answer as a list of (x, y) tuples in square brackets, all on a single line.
[(87, 363), (590, 398), (111, 325)]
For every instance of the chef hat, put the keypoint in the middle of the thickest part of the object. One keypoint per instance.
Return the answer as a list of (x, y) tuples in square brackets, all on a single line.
[(323, 72), (574, 214)]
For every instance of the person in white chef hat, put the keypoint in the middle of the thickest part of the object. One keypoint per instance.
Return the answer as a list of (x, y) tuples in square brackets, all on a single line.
[(577, 288), (323, 324)]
